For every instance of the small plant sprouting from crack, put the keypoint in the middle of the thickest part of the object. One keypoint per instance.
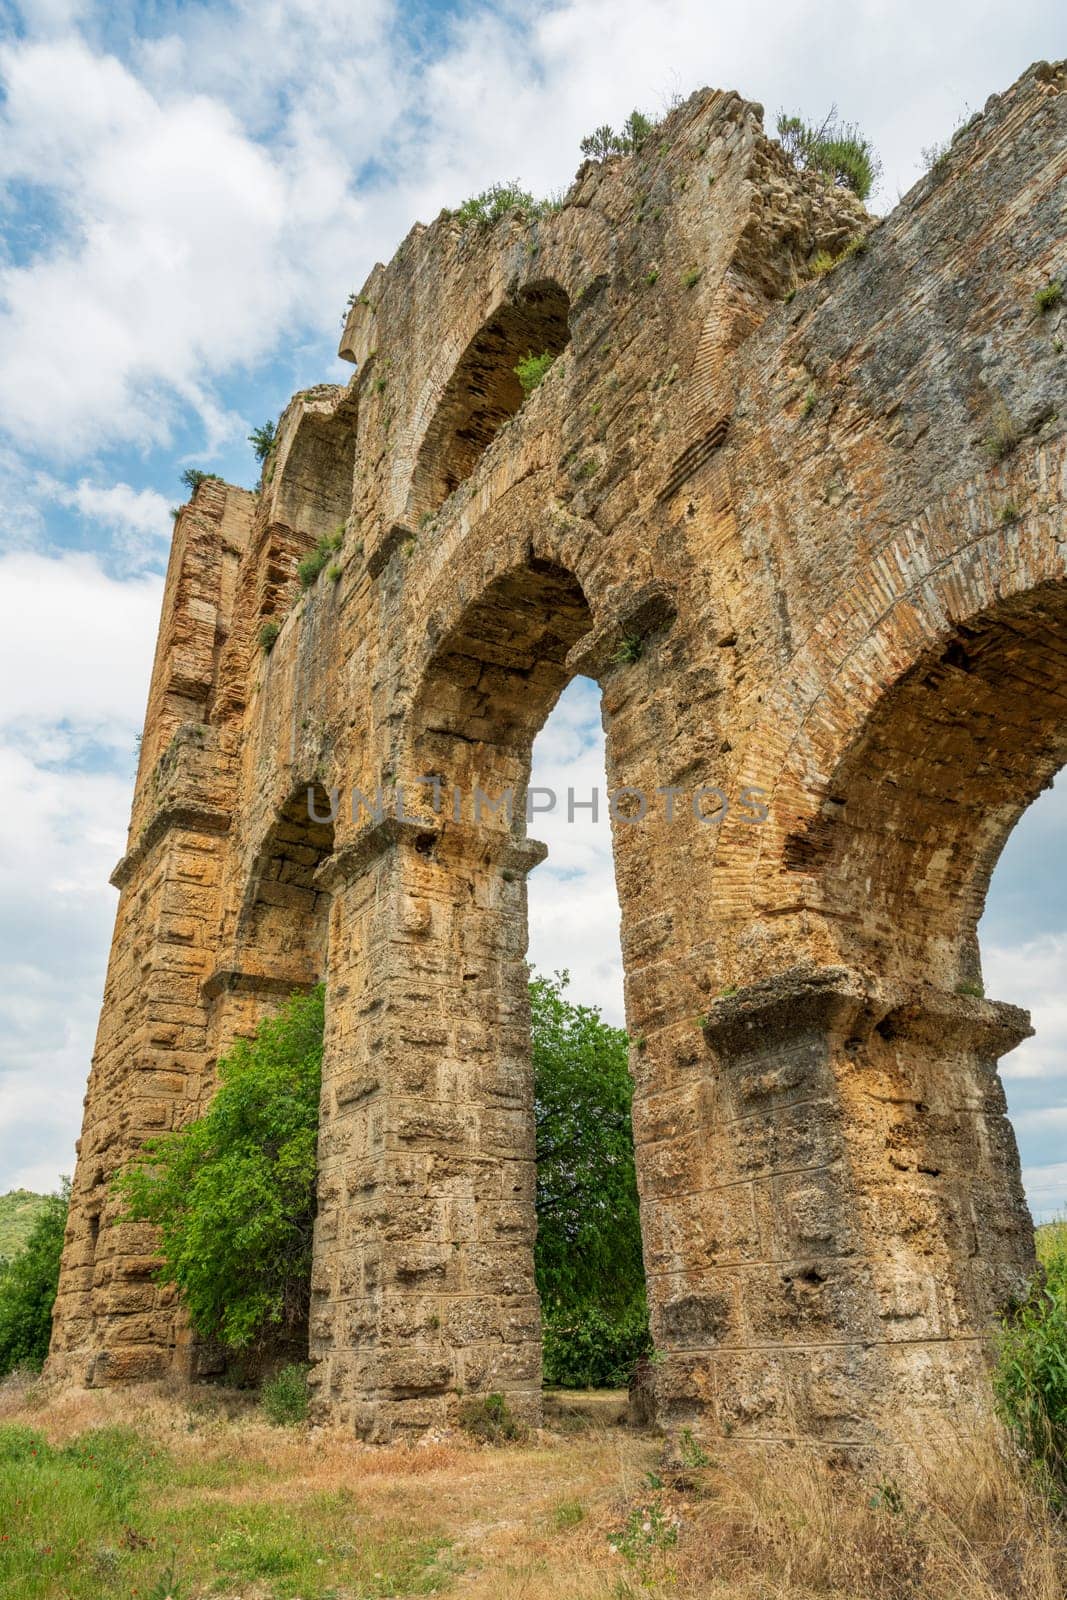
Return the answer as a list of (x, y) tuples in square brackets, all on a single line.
[(1049, 297), (1005, 436), (630, 649)]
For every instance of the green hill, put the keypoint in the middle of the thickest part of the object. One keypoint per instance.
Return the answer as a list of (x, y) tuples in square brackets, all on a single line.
[(19, 1209)]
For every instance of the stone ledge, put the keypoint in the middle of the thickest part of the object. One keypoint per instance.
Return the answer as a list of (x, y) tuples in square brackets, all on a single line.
[(811, 997), (195, 819), (428, 836), (232, 980)]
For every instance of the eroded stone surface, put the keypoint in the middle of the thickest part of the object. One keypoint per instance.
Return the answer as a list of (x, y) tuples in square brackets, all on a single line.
[(764, 511)]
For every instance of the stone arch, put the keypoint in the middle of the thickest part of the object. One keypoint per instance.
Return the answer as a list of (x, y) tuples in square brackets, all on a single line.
[(483, 390), (921, 592), (436, 905), (494, 678), (918, 809), (282, 922)]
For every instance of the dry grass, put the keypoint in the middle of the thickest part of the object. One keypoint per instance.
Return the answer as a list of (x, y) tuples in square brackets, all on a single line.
[(581, 1512)]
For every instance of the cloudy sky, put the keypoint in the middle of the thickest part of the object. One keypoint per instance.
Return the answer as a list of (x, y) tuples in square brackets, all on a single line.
[(188, 193)]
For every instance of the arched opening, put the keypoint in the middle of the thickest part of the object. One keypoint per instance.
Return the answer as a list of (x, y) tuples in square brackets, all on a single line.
[(277, 950), (913, 821), (433, 1084), (494, 681), (282, 923), (1023, 935), (588, 1252), (484, 390), (916, 814)]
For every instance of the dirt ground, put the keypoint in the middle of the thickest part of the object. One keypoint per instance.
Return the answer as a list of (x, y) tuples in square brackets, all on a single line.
[(148, 1493)]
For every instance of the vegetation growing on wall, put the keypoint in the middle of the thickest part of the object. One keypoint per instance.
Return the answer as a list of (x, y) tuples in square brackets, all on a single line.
[(263, 439), (604, 141), (838, 150), (193, 477), (499, 200)]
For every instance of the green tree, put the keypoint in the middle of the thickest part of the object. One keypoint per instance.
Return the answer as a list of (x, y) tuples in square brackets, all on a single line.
[(590, 1275), (193, 477), (604, 141), (28, 1285), (263, 439), (588, 1231), (233, 1194)]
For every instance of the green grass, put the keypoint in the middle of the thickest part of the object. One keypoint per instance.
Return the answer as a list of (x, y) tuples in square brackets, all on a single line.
[(109, 1515), (19, 1210), (1030, 1381), (1051, 1239), (284, 1397)]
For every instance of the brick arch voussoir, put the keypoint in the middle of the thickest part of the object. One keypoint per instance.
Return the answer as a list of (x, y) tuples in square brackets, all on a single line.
[(956, 562)]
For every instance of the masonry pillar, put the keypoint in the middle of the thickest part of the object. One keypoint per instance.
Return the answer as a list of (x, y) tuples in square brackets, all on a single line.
[(112, 1321), (423, 1285), (832, 1209)]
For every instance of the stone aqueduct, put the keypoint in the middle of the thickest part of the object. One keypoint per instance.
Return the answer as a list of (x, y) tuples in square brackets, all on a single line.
[(807, 533)]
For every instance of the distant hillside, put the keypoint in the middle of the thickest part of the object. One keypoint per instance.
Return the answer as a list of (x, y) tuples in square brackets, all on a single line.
[(19, 1209)]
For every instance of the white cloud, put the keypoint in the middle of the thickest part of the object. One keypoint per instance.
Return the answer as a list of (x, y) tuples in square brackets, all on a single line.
[(1033, 975), (139, 521), (573, 905), (179, 260), (210, 185), (75, 654), (75, 646)]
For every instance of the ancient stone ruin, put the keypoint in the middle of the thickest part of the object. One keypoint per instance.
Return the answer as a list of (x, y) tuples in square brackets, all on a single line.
[(805, 529)]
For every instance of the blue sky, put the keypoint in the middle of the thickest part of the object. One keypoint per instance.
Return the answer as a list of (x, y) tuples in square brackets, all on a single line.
[(188, 193)]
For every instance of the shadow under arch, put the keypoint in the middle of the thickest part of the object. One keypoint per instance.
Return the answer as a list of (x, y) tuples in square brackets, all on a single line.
[(484, 389), (919, 808), (492, 681)]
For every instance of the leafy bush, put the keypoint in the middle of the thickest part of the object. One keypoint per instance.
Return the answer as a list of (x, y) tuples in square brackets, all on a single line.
[(499, 200), (837, 150), (531, 369), (587, 1257), (1031, 1376), (284, 1396), (263, 439), (313, 563), (28, 1285), (268, 635), (233, 1194), (490, 1419), (192, 478), (586, 1348), (604, 141)]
